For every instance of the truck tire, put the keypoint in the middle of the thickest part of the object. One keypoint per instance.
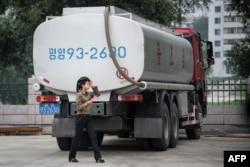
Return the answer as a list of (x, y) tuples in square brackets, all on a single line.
[(125, 134), (163, 143), (174, 130), (64, 143), (144, 144), (195, 133)]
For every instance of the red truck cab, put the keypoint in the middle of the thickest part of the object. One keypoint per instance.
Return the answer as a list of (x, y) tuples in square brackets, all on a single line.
[(199, 64)]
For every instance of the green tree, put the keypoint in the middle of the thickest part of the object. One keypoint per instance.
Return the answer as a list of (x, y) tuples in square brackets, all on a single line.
[(241, 6), (17, 24), (239, 56), (188, 6), (18, 20), (239, 59)]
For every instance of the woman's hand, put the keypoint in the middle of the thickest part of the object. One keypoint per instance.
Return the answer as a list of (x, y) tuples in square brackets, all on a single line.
[(91, 84), (93, 98), (88, 103)]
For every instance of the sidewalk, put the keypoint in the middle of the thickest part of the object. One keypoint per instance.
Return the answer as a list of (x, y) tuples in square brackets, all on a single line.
[(221, 133)]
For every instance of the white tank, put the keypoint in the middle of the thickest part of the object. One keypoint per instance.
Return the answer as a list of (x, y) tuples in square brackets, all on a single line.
[(68, 47)]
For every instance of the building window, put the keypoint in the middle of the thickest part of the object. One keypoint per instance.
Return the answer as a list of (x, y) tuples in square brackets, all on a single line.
[(216, 54), (241, 30), (233, 41), (239, 41), (217, 32), (226, 53), (235, 30), (229, 41), (239, 19), (229, 30), (226, 19), (217, 43), (231, 19), (217, 9), (226, 7), (217, 20)]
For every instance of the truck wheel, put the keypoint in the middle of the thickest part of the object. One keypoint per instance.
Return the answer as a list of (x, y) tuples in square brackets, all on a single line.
[(163, 143), (174, 130), (193, 133), (124, 134), (143, 144), (64, 143), (196, 132)]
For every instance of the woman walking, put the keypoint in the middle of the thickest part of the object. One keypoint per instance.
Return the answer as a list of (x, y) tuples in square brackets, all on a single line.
[(84, 100)]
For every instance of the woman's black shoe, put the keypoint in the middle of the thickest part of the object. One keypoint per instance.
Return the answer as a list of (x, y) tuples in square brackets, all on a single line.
[(73, 160), (100, 160)]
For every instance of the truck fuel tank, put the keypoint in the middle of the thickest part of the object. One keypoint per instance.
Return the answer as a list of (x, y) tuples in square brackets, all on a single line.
[(68, 47)]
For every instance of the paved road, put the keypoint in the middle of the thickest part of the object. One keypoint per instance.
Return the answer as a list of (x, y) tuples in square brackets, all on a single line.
[(42, 151)]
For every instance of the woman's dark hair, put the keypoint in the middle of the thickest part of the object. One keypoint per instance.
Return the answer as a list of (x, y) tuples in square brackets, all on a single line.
[(81, 81)]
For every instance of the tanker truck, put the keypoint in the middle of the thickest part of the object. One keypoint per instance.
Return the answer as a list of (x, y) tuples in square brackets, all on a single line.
[(151, 78)]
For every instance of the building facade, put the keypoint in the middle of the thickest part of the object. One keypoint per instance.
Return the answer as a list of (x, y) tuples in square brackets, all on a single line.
[(224, 29)]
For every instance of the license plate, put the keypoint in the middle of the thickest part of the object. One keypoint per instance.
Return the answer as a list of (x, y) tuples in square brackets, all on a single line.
[(49, 108)]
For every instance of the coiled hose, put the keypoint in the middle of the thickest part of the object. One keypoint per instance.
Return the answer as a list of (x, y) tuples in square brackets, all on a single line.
[(118, 67)]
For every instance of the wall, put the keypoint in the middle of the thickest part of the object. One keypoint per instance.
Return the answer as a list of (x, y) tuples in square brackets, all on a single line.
[(26, 115), (233, 119)]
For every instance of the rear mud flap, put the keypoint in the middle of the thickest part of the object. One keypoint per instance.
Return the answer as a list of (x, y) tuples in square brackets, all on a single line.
[(63, 127), (148, 128)]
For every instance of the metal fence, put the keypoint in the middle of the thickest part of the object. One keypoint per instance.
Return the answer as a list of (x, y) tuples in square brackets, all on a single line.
[(219, 92), (227, 92), (13, 93)]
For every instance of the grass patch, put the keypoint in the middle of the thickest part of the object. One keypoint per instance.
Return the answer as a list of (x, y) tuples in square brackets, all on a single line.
[(234, 102)]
